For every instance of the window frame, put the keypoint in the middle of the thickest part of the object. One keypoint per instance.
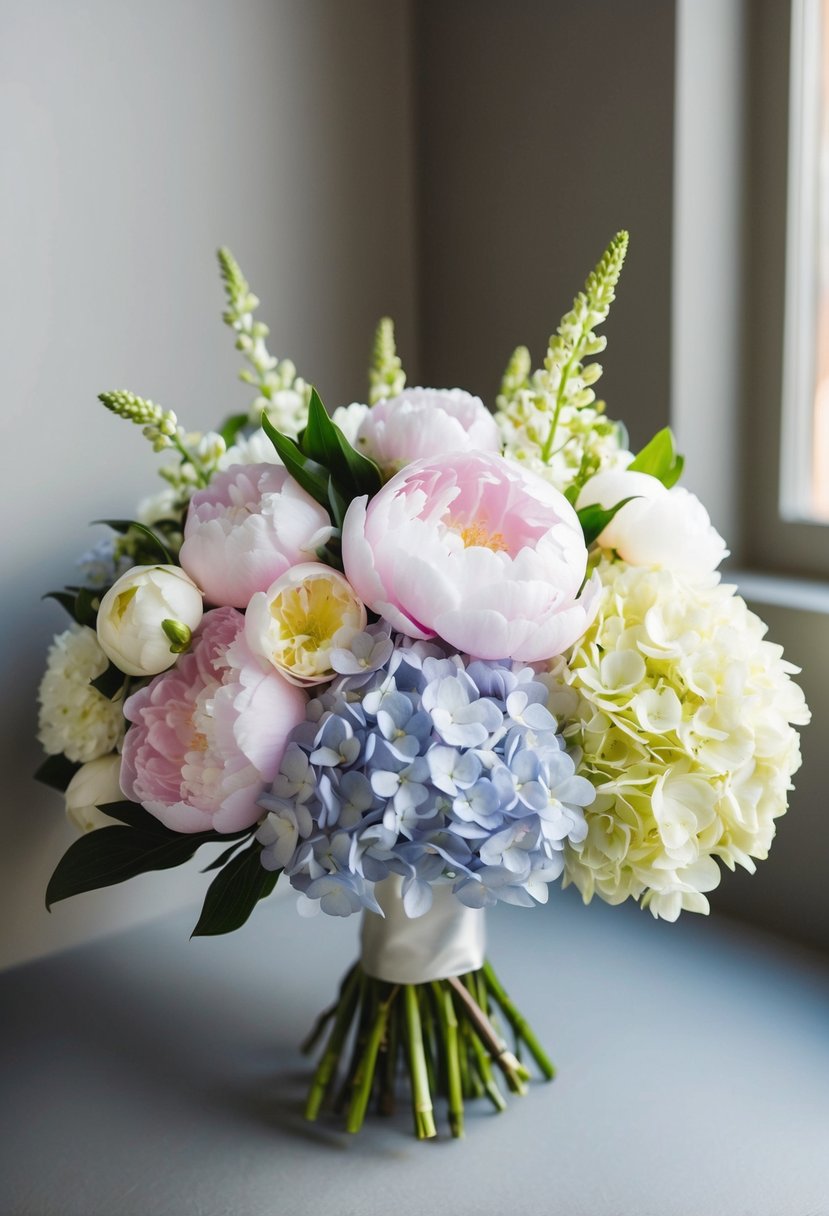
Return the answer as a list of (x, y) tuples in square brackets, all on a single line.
[(774, 539)]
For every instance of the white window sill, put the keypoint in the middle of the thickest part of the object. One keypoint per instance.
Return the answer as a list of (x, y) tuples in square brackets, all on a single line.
[(780, 590)]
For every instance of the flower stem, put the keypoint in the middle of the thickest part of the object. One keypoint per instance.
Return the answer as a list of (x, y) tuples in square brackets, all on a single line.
[(328, 1064), (325, 1017), (449, 1025), (518, 1022), (364, 1076), (388, 1085), (514, 1072), (421, 1095), (484, 1072)]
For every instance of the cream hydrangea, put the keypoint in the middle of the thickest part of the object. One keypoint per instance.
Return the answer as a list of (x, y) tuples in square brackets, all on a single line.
[(684, 719), (586, 442), (74, 717)]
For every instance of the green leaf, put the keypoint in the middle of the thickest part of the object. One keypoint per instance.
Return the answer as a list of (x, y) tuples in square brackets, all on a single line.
[(56, 772), (123, 526), (353, 473), (336, 504), (594, 519), (86, 607), (66, 599), (235, 892), (224, 857), (113, 854), (110, 682), (310, 475), (673, 475), (133, 815), (231, 427), (659, 458)]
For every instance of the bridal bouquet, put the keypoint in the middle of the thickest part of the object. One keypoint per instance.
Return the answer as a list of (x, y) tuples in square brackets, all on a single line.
[(419, 658)]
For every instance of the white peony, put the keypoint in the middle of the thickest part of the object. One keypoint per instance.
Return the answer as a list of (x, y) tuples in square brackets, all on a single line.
[(75, 718), (684, 717), (255, 448), (132, 613), (349, 419), (423, 423), (666, 529), (93, 786)]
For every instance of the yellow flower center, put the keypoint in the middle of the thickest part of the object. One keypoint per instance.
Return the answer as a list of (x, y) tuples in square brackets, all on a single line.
[(306, 618), (477, 535)]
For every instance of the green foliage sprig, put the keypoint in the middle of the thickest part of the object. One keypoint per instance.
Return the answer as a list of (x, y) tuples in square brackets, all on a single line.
[(324, 463)]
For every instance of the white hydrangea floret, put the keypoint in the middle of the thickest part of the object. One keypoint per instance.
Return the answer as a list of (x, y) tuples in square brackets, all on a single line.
[(74, 717), (684, 716)]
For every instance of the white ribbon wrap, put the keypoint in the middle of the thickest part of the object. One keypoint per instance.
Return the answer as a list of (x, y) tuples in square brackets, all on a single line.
[(447, 940)]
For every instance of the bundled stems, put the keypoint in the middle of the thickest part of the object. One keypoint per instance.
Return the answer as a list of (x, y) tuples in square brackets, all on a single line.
[(520, 1025), (438, 1034)]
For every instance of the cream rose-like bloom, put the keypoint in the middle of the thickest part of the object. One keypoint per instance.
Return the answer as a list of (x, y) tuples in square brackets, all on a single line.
[(93, 786), (684, 718), (74, 717), (426, 422), (132, 613), (473, 550), (667, 529), (301, 618)]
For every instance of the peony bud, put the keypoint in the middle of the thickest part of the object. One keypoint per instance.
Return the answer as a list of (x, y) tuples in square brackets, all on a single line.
[(132, 616), (93, 786), (664, 529)]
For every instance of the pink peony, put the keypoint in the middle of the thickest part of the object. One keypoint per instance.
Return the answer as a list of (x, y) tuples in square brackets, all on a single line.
[(247, 528), (479, 552), (209, 734), (425, 422)]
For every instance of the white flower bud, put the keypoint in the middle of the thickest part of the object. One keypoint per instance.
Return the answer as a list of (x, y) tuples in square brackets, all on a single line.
[(132, 615), (93, 786), (665, 529)]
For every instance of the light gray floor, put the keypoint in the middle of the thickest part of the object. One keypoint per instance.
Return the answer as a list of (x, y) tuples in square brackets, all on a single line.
[(150, 1074)]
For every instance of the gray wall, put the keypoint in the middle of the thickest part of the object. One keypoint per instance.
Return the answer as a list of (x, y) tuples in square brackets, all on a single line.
[(543, 129), (135, 138)]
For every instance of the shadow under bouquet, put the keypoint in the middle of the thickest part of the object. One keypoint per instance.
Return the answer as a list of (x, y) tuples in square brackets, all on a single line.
[(419, 658)]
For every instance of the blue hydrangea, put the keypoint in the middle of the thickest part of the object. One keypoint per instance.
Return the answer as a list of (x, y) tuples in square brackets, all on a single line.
[(429, 765)]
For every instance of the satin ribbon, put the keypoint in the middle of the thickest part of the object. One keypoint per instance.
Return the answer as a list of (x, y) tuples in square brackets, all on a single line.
[(447, 940)]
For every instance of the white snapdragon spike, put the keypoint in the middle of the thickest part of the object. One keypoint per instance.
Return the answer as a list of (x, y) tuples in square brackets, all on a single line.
[(132, 616), (93, 786), (584, 439), (74, 717), (666, 529), (683, 716), (307, 613)]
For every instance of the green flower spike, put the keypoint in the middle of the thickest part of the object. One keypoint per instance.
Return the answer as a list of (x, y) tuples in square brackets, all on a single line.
[(386, 376)]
